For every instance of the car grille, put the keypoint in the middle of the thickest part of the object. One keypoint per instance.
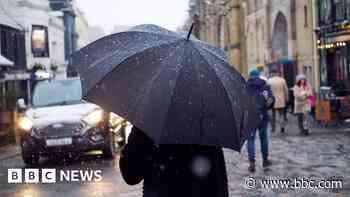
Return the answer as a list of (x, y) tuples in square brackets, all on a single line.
[(60, 130)]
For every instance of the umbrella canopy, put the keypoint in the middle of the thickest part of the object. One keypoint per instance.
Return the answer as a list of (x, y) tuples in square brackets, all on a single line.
[(5, 62), (177, 90)]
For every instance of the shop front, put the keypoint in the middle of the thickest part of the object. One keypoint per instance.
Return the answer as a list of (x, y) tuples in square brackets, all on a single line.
[(334, 57), (335, 64), (334, 98)]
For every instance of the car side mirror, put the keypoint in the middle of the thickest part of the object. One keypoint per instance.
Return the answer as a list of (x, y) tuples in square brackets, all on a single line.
[(21, 104)]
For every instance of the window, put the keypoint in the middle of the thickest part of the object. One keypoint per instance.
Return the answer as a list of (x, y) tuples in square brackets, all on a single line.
[(325, 12), (305, 16), (347, 5), (55, 92), (339, 9), (40, 44)]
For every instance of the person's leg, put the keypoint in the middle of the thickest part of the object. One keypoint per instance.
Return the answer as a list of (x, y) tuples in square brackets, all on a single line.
[(281, 114), (264, 142), (301, 122), (285, 113), (273, 120), (306, 123), (251, 151)]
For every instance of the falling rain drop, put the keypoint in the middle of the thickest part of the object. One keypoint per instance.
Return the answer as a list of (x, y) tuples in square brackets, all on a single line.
[(201, 167), (162, 167)]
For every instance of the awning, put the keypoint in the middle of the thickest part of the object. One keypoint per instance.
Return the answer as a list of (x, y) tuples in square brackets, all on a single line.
[(5, 62), (338, 38), (342, 38), (286, 61), (5, 18)]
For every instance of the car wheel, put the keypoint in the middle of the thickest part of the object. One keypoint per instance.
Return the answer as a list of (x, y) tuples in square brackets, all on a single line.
[(109, 150), (30, 158)]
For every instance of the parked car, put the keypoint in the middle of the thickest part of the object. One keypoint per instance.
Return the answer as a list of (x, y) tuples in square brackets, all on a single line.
[(59, 121)]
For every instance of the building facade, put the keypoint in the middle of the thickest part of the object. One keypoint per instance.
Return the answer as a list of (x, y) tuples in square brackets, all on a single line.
[(220, 23), (282, 31), (31, 34), (306, 54), (334, 44), (12, 57), (43, 31), (267, 32), (12, 40), (66, 7), (81, 27)]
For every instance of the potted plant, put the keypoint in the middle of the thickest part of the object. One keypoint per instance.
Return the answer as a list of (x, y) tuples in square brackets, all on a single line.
[(38, 66), (54, 67)]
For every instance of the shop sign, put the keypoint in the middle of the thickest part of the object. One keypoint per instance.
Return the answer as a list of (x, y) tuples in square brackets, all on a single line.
[(15, 76)]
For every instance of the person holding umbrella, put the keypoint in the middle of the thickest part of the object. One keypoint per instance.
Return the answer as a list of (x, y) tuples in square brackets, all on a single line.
[(173, 170), (186, 103), (261, 91)]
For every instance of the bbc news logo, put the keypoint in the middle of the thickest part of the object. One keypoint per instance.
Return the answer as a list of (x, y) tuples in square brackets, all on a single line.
[(32, 175)]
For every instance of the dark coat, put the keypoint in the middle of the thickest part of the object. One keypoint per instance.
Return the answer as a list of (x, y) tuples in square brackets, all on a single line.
[(173, 170), (257, 87)]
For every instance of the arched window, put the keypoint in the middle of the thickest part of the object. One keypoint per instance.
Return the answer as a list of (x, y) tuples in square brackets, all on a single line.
[(280, 37)]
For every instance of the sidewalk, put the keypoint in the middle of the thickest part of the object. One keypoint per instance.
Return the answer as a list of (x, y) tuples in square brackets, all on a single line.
[(9, 151)]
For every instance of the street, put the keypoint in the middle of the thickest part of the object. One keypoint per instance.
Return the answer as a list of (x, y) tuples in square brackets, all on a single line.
[(324, 154), (192, 77)]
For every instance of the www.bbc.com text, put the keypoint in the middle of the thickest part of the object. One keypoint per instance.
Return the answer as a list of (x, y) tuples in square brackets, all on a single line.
[(292, 184)]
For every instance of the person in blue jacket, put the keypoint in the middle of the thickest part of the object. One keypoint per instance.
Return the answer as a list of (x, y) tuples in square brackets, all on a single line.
[(262, 93)]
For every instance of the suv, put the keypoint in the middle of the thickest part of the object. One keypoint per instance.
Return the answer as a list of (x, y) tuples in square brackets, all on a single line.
[(59, 121)]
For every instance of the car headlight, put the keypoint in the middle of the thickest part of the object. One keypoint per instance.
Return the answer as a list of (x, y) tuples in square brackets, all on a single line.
[(114, 119), (94, 118), (25, 123)]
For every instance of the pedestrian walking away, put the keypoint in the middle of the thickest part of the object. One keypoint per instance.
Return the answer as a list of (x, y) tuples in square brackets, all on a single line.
[(302, 93), (184, 99), (260, 90), (280, 91), (261, 69), (173, 170)]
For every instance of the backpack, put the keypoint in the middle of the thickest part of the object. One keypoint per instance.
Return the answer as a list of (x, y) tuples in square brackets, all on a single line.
[(263, 98)]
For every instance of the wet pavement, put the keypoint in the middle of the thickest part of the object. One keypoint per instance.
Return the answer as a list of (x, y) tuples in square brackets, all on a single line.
[(325, 154)]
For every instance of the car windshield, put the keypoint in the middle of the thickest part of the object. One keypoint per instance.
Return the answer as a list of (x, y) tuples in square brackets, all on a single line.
[(60, 92)]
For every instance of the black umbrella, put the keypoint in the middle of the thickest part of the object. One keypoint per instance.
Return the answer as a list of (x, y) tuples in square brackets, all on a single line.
[(177, 89)]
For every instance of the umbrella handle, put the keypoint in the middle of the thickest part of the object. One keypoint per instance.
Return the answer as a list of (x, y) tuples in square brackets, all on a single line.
[(190, 32)]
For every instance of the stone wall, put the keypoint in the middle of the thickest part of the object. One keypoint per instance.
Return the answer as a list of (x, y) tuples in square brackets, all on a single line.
[(220, 23), (256, 32)]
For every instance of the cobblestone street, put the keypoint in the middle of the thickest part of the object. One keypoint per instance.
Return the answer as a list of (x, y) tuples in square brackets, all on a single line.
[(324, 154)]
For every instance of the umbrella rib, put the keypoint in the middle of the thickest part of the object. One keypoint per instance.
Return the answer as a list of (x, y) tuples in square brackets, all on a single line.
[(211, 52), (171, 96), (233, 115), (125, 59), (226, 62), (156, 76), (202, 105)]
